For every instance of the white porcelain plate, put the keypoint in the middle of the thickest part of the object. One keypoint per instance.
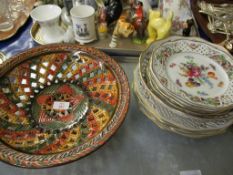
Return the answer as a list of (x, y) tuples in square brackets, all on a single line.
[(197, 75), (194, 70)]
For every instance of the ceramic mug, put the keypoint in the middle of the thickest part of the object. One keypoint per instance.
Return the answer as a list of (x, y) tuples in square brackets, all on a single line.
[(83, 18), (48, 18)]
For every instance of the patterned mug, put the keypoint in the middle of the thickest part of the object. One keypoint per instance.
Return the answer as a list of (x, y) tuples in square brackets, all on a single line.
[(83, 18)]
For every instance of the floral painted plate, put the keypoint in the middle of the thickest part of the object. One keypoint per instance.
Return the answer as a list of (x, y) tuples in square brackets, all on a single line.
[(169, 119), (59, 103), (195, 71), (176, 120)]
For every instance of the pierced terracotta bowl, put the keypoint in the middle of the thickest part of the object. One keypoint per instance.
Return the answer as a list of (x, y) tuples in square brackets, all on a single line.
[(58, 103)]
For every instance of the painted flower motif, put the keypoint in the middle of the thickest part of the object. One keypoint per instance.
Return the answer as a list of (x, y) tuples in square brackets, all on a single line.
[(167, 52), (172, 65), (197, 74), (220, 84), (192, 83), (194, 45), (220, 59), (212, 75), (194, 71)]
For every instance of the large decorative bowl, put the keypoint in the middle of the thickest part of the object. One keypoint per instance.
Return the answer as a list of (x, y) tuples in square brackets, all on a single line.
[(58, 103)]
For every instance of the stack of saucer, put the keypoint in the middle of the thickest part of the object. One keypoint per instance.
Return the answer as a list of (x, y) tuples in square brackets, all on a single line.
[(185, 85)]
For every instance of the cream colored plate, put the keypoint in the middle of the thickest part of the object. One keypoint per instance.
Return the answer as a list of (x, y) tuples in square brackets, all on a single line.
[(35, 33)]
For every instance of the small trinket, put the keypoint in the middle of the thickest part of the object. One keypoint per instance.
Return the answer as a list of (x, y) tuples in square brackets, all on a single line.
[(113, 10), (122, 28), (187, 27), (181, 13), (139, 23), (102, 26), (146, 6), (158, 27)]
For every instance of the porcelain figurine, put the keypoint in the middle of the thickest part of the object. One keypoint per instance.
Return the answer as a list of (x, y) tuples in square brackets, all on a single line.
[(139, 23), (102, 25), (187, 26), (102, 22), (181, 13), (113, 10), (158, 27), (122, 28), (146, 6)]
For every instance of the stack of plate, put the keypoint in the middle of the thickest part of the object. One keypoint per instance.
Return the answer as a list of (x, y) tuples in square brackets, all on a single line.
[(185, 85)]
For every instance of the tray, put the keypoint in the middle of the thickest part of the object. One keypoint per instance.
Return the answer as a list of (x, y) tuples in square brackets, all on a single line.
[(125, 45), (19, 22), (58, 103), (202, 20)]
